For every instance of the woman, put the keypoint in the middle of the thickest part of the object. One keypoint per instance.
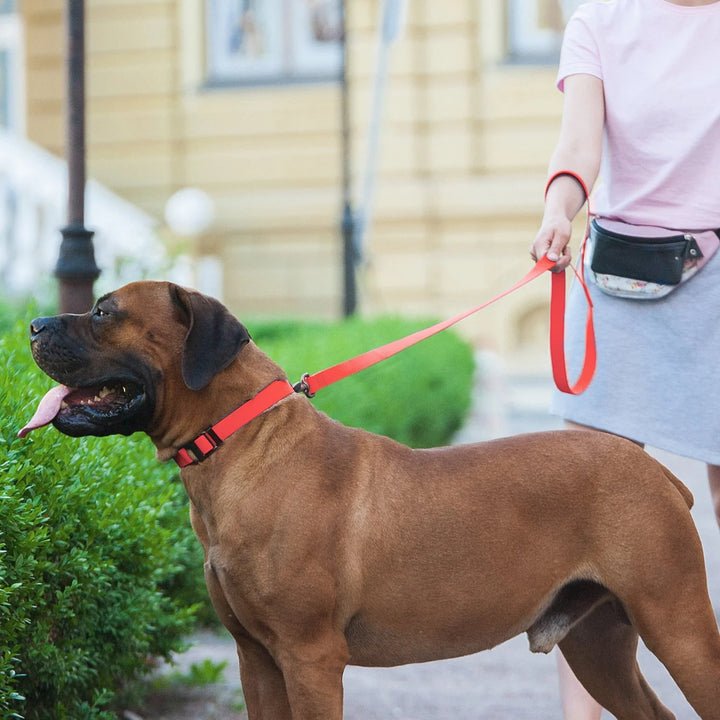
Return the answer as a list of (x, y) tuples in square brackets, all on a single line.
[(641, 83)]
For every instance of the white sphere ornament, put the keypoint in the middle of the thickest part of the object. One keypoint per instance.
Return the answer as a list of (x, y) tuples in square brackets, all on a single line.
[(189, 211)]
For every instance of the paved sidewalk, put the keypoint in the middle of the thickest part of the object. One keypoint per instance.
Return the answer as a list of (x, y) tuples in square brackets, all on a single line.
[(508, 681)]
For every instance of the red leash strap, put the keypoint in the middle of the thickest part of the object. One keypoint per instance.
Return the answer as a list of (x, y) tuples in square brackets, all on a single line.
[(310, 384), (557, 312)]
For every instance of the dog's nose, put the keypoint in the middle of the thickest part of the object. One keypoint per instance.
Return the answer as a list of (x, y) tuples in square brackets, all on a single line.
[(37, 326)]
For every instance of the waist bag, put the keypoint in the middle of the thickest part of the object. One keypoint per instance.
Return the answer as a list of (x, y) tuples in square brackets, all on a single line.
[(649, 263)]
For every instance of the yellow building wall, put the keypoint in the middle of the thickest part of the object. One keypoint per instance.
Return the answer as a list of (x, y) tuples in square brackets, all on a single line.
[(464, 146)]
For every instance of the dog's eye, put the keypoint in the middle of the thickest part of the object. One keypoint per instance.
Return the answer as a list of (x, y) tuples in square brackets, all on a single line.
[(99, 312)]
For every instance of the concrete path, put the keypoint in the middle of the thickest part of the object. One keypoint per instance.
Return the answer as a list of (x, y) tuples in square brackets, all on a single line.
[(508, 681)]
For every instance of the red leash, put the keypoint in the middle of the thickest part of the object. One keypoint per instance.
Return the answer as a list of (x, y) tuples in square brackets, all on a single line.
[(557, 312), (310, 384), (209, 440)]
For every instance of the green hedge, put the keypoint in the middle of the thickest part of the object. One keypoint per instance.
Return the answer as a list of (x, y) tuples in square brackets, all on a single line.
[(96, 556), (99, 569), (419, 397)]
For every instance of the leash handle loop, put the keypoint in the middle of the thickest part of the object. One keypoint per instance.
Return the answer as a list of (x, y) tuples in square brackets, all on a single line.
[(557, 312), (557, 339)]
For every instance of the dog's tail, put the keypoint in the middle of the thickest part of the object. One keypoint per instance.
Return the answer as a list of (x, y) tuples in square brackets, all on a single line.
[(680, 486)]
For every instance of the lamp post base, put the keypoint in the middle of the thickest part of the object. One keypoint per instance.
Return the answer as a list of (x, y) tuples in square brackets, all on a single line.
[(76, 269)]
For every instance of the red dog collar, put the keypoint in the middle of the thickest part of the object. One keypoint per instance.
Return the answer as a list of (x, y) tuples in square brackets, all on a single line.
[(210, 440)]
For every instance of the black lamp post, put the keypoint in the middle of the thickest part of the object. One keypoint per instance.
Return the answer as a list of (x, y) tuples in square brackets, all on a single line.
[(76, 269), (348, 224)]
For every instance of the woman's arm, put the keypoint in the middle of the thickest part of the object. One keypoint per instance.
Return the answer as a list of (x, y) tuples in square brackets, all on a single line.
[(579, 150)]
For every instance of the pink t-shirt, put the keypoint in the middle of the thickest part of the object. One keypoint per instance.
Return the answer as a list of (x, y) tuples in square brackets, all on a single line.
[(660, 67)]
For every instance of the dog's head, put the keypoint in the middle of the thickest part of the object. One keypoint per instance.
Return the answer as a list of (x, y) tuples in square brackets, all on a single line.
[(115, 362)]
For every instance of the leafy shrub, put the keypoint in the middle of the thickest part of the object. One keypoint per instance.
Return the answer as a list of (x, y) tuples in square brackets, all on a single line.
[(419, 397), (200, 674), (93, 535)]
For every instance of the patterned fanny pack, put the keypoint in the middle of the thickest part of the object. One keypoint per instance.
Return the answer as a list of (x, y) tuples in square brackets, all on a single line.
[(648, 263)]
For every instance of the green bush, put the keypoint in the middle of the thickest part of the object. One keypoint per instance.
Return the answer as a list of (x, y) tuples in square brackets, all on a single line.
[(95, 551), (419, 397)]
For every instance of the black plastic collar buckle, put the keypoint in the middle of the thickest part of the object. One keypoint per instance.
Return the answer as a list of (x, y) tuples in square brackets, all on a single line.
[(204, 445)]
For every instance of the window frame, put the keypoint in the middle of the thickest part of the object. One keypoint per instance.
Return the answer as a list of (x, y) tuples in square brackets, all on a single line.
[(12, 86), (527, 41), (293, 56)]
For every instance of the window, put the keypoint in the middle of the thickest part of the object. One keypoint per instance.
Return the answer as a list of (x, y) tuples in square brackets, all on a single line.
[(255, 41), (11, 104), (535, 28), (4, 89)]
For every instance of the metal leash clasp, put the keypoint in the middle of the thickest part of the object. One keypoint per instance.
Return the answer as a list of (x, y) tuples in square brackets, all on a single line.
[(302, 386)]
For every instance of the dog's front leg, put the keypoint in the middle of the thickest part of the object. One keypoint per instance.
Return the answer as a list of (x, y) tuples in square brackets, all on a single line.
[(313, 678), (263, 684)]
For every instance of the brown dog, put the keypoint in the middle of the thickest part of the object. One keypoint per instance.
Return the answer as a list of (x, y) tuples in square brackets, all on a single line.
[(327, 546)]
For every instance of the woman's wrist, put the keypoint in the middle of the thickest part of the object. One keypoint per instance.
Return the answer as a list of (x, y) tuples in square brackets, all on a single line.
[(565, 194), (576, 177)]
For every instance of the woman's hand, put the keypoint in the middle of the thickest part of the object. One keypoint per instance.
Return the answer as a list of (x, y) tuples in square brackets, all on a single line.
[(553, 240)]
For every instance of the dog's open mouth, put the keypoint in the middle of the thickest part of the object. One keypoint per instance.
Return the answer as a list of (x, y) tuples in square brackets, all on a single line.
[(95, 410)]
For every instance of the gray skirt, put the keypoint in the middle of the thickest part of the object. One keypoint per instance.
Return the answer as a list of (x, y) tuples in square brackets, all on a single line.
[(657, 379)]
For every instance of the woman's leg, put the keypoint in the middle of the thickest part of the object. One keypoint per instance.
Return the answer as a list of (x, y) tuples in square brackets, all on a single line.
[(714, 480), (577, 703)]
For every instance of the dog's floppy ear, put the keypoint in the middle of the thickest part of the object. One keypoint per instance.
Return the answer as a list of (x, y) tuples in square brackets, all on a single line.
[(214, 336)]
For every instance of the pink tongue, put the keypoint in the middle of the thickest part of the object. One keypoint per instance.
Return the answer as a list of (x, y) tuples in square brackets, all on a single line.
[(48, 408)]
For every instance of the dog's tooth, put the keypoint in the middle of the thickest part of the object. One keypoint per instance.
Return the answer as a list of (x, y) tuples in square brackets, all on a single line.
[(104, 393)]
